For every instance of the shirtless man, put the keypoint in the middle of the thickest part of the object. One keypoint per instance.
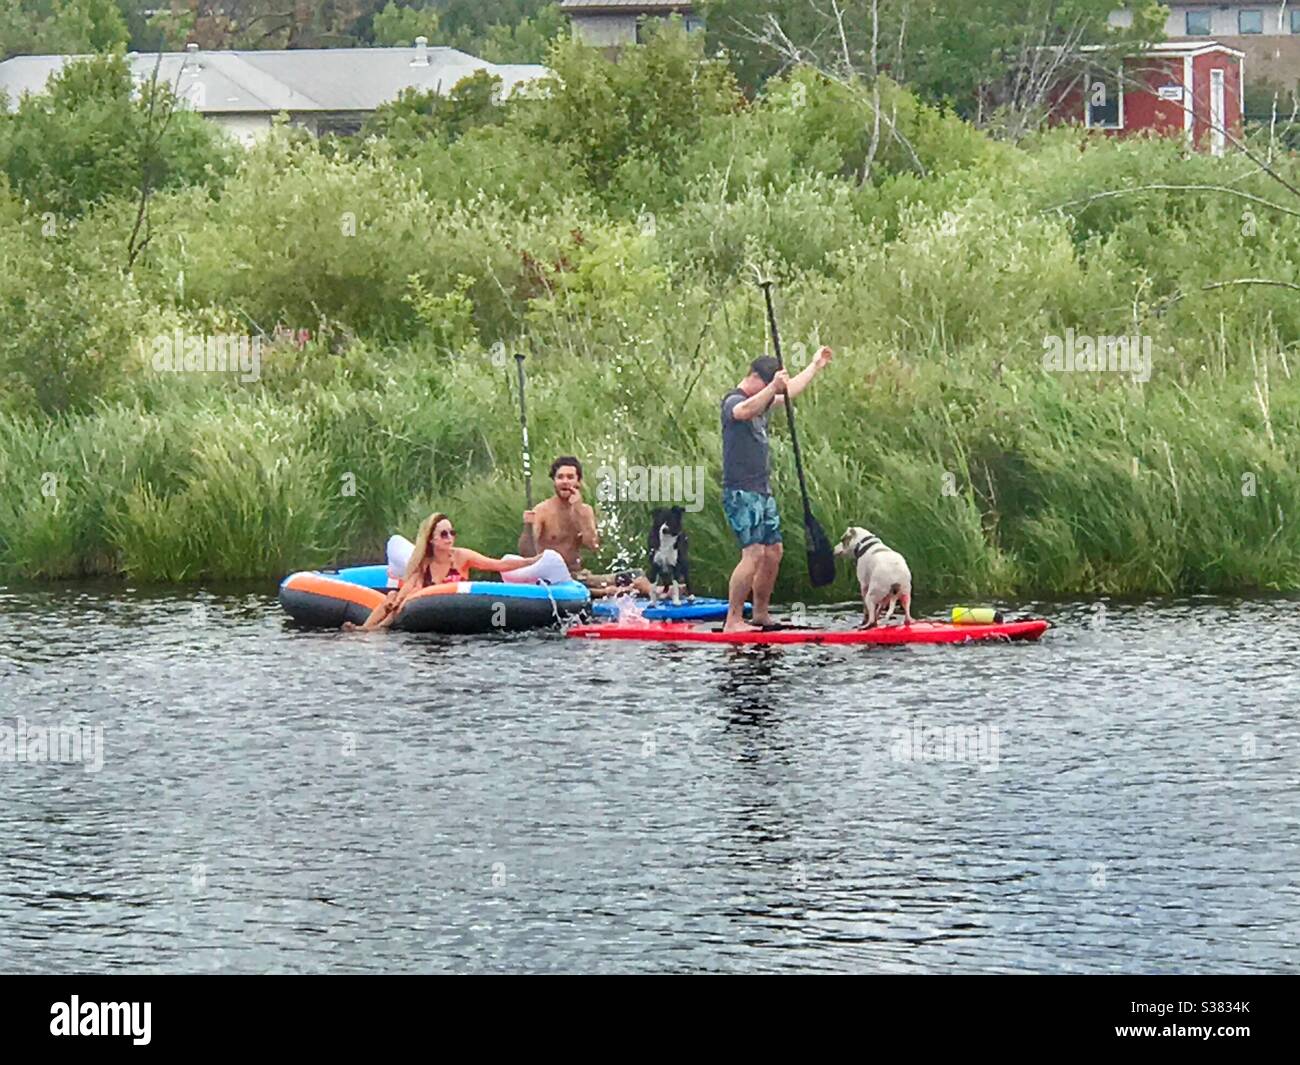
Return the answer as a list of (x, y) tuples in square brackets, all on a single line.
[(564, 523)]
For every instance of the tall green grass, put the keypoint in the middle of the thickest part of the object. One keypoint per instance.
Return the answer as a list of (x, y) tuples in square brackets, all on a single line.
[(1023, 484), (936, 425)]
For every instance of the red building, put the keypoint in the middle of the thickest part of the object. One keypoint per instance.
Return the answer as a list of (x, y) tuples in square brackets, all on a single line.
[(1187, 88)]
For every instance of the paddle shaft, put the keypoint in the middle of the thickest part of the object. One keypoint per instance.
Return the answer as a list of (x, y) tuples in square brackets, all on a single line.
[(528, 459), (789, 404)]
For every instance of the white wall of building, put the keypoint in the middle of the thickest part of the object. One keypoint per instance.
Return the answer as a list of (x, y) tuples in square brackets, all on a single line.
[(1224, 20), (603, 31), (247, 129)]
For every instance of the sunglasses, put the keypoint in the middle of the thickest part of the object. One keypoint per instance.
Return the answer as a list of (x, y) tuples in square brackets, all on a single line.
[(446, 534)]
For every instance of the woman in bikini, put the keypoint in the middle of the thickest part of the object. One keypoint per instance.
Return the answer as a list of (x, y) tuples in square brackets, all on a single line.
[(435, 561)]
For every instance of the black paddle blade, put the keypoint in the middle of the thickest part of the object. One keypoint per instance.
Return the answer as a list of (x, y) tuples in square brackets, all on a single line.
[(821, 557)]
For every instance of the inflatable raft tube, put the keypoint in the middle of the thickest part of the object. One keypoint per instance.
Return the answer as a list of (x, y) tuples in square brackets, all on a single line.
[(327, 600), (694, 609), (378, 577), (388, 577), (491, 606), (918, 632), (323, 600)]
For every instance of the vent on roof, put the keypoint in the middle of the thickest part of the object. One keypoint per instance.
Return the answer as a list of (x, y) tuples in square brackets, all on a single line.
[(192, 64), (421, 52)]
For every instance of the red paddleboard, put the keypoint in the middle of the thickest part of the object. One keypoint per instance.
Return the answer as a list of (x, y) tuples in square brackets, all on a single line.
[(917, 632)]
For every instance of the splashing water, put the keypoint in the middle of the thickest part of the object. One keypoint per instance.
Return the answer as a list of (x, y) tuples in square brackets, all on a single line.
[(629, 613), (613, 527)]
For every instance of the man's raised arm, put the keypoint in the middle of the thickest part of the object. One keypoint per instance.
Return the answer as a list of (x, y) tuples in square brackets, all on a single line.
[(804, 377)]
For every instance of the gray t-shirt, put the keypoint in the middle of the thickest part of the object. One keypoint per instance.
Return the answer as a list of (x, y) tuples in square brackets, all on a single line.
[(745, 453)]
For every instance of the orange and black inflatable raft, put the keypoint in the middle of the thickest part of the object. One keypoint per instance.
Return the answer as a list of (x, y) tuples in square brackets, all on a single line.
[(327, 600)]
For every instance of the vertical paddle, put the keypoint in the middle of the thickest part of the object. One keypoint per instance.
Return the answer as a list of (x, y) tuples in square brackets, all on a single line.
[(821, 560), (527, 538)]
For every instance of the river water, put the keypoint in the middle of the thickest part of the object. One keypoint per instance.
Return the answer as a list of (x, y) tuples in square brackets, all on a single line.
[(1122, 797)]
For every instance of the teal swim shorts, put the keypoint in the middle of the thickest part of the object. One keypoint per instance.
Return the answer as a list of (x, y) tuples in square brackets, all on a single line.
[(752, 516)]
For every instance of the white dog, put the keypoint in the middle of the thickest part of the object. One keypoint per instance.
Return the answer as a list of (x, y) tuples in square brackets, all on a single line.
[(883, 575)]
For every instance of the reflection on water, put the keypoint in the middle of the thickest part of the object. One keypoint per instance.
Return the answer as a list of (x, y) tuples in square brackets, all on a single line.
[(272, 799), (751, 683)]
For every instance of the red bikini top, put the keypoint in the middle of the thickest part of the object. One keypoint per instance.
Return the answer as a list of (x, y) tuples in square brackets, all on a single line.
[(453, 577), (453, 574)]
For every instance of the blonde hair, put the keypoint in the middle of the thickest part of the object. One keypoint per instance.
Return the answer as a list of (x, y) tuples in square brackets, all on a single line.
[(423, 550)]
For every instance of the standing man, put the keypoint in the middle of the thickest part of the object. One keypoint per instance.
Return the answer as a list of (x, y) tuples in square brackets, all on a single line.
[(746, 491)]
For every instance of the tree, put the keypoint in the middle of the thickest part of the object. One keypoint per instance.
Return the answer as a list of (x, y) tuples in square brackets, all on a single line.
[(34, 27), (514, 30), (523, 42), (977, 56), (92, 134), (468, 19), (651, 104), (500, 31), (401, 25), (417, 115), (255, 24)]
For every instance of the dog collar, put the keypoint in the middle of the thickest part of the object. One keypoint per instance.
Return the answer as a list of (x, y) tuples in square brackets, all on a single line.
[(864, 545)]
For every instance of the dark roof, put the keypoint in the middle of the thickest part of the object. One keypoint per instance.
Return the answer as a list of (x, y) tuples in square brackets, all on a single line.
[(628, 6)]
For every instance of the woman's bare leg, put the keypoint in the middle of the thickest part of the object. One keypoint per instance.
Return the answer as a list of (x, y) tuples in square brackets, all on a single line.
[(380, 618)]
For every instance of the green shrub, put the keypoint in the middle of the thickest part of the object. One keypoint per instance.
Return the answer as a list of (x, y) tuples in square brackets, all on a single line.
[(91, 136), (417, 273), (68, 315), (416, 116), (655, 100)]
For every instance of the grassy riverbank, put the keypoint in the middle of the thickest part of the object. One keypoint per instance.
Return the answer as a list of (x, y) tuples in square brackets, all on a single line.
[(418, 266)]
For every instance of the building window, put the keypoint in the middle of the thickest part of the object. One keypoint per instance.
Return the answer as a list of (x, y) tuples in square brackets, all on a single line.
[(693, 24), (1250, 21), (1104, 102), (1295, 20), (643, 26), (1198, 24)]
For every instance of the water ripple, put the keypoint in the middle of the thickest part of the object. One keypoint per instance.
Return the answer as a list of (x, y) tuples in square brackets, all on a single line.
[(1121, 797)]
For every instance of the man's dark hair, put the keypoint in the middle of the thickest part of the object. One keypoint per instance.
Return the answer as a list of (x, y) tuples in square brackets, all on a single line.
[(765, 366), (566, 460)]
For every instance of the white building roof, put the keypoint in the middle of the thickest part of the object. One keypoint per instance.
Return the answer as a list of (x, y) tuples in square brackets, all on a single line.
[(295, 80), (1176, 49)]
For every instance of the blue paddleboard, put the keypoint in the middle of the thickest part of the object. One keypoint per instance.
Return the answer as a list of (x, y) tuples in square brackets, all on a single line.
[(695, 609)]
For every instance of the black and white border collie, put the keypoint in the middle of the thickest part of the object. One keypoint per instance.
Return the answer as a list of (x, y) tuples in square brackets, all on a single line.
[(669, 564)]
